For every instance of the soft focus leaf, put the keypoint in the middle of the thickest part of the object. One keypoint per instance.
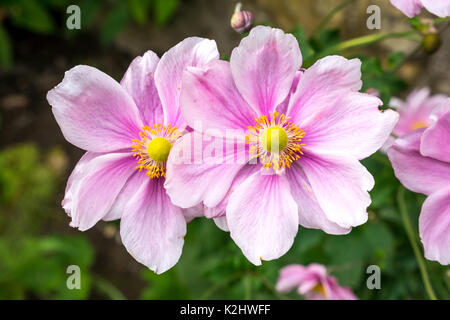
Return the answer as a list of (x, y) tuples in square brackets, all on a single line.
[(5, 49)]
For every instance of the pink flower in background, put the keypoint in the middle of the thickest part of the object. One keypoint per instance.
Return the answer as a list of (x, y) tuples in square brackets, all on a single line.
[(412, 8), (311, 174), (421, 161), (313, 282), (415, 113), (127, 130)]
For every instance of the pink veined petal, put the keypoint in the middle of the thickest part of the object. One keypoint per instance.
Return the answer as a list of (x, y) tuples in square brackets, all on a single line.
[(195, 174), (340, 186), (98, 186), (441, 8), (310, 213), (434, 226), (263, 217), (139, 81), (220, 210), (411, 8), (264, 65), (152, 228), (319, 85), (192, 51), (128, 191), (74, 179), (290, 278), (435, 141), (221, 223), (352, 126), (193, 212), (210, 97), (416, 172), (94, 112)]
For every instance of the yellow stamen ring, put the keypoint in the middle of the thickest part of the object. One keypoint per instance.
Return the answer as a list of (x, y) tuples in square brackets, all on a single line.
[(275, 141), (153, 148)]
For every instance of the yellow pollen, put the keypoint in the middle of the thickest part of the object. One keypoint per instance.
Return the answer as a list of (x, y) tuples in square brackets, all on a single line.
[(158, 149), (274, 139), (418, 125), (320, 289), (153, 148)]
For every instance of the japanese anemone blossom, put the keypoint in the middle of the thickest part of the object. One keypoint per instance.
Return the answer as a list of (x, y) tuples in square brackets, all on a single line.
[(414, 113), (313, 282), (310, 176), (127, 130), (412, 8), (421, 161)]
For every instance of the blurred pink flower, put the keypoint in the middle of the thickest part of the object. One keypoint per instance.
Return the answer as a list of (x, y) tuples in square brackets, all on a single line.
[(415, 113), (311, 175), (412, 8), (421, 161), (313, 282), (127, 130)]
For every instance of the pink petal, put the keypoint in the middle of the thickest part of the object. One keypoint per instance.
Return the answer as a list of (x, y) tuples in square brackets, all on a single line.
[(434, 226), (263, 217), (95, 186), (435, 141), (200, 176), (340, 186), (168, 75), (152, 228), (221, 223), (416, 172), (128, 191), (319, 85), (290, 278), (310, 213), (352, 126), (194, 212), (211, 98), (440, 8), (411, 8), (139, 81), (264, 66), (93, 111), (220, 210)]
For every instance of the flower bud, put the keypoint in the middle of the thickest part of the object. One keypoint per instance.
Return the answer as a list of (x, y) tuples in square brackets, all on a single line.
[(242, 21), (431, 42)]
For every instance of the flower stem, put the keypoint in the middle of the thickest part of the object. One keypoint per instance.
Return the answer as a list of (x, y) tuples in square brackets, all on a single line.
[(412, 240), (330, 15), (359, 42)]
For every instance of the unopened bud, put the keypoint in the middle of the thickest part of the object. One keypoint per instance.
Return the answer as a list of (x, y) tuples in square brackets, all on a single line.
[(241, 21), (431, 42)]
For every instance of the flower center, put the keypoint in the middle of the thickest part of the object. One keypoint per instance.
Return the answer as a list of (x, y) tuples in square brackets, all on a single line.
[(153, 148), (320, 289), (275, 141), (158, 149), (418, 125)]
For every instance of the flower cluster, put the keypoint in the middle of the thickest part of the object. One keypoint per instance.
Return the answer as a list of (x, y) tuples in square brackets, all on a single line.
[(258, 144)]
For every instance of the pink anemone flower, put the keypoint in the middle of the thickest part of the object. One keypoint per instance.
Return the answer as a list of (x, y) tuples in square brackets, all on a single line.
[(311, 174), (412, 8), (313, 282), (421, 161), (127, 130), (414, 113)]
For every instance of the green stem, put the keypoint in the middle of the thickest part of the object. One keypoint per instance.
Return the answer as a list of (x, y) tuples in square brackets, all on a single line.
[(330, 15), (412, 240)]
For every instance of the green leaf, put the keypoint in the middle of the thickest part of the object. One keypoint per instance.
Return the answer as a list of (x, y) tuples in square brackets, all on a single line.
[(139, 10), (6, 58), (164, 10), (33, 16), (115, 21)]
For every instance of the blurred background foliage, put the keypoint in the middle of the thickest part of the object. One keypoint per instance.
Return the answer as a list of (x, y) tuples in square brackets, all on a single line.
[(36, 243)]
